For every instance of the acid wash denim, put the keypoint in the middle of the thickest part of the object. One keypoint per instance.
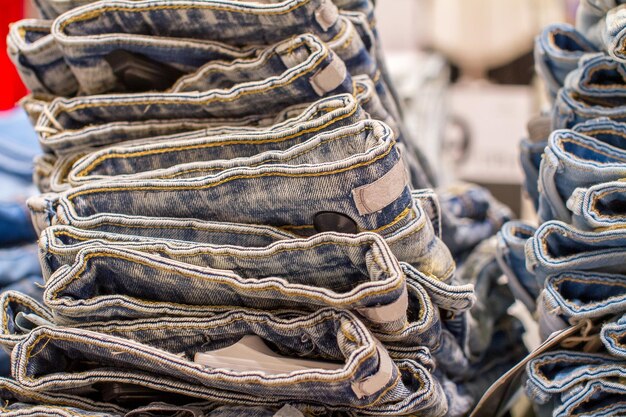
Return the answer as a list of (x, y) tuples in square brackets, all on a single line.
[(427, 295), (599, 206), (87, 34), (315, 72), (557, 51), (572, 160), (81, 129), (511, 257), (38, 59), (365, 278), (367, 380), (130, 159), (52, 9)]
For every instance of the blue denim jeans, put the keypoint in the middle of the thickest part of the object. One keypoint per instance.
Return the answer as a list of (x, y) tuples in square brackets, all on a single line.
[(141, 158), (367, 379), (558, 247), (599, 206), (512, 240), (531, 151), (557, 51), (470, 214), (574, 159)]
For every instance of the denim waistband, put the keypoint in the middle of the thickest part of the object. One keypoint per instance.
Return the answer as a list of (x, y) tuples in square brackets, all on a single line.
[(559, 371), (582, 295), (369, 186), (573, 160), (557, 51), (599, 206), (88, 33), (132, 160), (416, 242), (558, 247), (368, 379), (511, 257), (320, 74), (38, 59), (365, 277), (91, 131)]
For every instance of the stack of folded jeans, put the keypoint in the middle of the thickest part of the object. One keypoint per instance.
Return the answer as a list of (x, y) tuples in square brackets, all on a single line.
[(233, 176), (570, 270)]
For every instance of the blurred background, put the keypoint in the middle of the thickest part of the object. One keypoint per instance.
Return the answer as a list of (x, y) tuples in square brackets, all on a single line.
[(463, 68)]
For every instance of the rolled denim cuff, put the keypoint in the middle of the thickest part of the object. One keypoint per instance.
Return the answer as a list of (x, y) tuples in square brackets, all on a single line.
[(557, 372), (558, 247), (571, 108), (557, 51), (585, 295), (599, 206), (599, 76), (573, 160)]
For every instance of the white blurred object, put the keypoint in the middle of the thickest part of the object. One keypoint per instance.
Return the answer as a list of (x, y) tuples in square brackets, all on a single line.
[(421, 80), (495, 117), (480, 34)]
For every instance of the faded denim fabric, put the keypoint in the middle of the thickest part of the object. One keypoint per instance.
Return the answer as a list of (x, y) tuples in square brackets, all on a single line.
[(368, 379), (557, 51), (559, 247), (39, 60), (571, 108), (234, 277), (131, 160), (300, 85), (559, 371), (572, 160), (599, 206), (511, 257), (591, 18)]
